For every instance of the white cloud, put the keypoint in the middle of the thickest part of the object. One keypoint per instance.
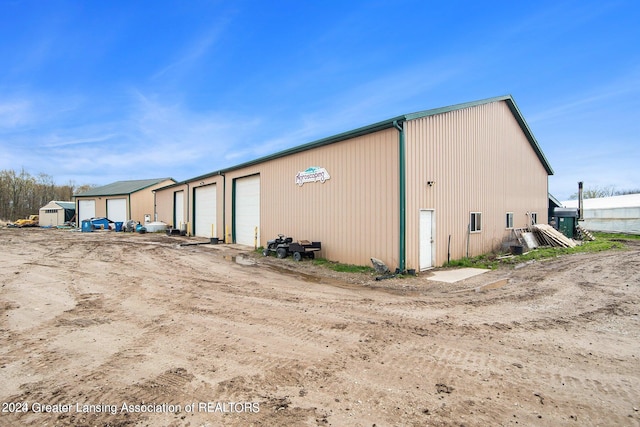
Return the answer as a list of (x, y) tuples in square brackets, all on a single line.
[(600, 99), (198, 48), (14, 113)]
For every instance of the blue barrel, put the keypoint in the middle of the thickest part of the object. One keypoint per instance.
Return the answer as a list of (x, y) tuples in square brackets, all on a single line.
[(87, 226), (119, 226)]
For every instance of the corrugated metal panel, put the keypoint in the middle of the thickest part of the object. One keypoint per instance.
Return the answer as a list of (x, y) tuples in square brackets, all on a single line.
[(142, 202), (479, 160), (354, 213), (164, 204), (480, 157), (165, 201), (126, 187), (389, 124)]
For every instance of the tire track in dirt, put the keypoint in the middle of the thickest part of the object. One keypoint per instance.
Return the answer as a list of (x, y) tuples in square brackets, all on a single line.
[(195, 326)]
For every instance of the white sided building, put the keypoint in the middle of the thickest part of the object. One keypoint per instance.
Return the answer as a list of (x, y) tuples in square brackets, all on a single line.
[(616, 214)]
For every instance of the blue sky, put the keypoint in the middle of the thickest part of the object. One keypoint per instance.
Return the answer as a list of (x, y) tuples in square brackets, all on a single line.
[(101, 91)]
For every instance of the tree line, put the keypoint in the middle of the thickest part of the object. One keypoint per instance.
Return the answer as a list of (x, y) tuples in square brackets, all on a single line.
[(607, 191), (22, 194)]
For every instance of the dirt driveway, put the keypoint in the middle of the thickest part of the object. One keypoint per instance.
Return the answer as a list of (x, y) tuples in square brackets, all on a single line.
[(108, 329)]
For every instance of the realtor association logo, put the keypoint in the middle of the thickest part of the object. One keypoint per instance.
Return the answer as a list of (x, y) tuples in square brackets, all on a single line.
[(312, 174)]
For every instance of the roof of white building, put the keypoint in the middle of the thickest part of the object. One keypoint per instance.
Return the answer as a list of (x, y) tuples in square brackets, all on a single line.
[(626, 201)]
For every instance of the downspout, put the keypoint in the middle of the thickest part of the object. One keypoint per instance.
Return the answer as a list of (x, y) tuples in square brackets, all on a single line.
[(403, 196), (155, 206), (188, 217), (233, 211), (224, 210)]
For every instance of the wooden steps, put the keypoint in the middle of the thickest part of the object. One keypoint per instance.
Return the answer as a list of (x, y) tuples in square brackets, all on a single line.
[(584, 234)]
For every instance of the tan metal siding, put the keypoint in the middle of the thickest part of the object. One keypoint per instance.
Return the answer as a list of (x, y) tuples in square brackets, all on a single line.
[(164, 204), (480, 160), (164, 201), (142, 202), (354, 213)]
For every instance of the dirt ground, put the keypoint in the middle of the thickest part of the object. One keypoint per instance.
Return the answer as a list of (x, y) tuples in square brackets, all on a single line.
[(114, 329)]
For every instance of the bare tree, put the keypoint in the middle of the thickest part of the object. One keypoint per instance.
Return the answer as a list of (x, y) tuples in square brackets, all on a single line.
[(22, 194), (623, 192), (595, 192)]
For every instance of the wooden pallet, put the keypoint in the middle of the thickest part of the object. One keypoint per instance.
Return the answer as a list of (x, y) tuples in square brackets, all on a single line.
[(552, 237)]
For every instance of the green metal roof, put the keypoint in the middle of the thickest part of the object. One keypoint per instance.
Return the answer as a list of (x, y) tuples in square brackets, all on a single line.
[(66, 205), (122, 187), (389, 123)]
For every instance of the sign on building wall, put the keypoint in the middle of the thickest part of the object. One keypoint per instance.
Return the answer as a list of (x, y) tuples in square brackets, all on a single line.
[(312, 174)]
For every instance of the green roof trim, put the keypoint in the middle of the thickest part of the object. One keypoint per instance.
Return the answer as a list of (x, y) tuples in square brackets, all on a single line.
[(122, 188), (387, 124)]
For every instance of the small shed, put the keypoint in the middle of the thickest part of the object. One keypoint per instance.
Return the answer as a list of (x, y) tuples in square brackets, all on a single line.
[(56, 213), (616, 214)]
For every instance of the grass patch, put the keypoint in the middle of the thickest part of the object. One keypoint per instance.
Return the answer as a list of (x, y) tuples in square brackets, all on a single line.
[(342, 268), (603, 242), (616, 236), (482, 261)]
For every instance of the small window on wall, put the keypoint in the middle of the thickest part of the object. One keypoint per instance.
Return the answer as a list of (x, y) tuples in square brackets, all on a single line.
[(534, 218), (509, 219), (475, 224)]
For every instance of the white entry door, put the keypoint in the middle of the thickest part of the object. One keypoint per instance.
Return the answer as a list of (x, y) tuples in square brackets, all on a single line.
[(427, 242)]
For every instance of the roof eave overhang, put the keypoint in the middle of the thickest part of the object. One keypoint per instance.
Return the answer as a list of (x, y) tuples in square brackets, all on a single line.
[(387, 124)]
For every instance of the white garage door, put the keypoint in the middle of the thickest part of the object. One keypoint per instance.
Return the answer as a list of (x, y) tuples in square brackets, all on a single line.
[(117, 210), (247, 209), (87, 210), (178, 209), (205, 210)]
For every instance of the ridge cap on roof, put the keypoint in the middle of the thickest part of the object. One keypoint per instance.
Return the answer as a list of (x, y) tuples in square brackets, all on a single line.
[(385, 124), (135, 185)]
